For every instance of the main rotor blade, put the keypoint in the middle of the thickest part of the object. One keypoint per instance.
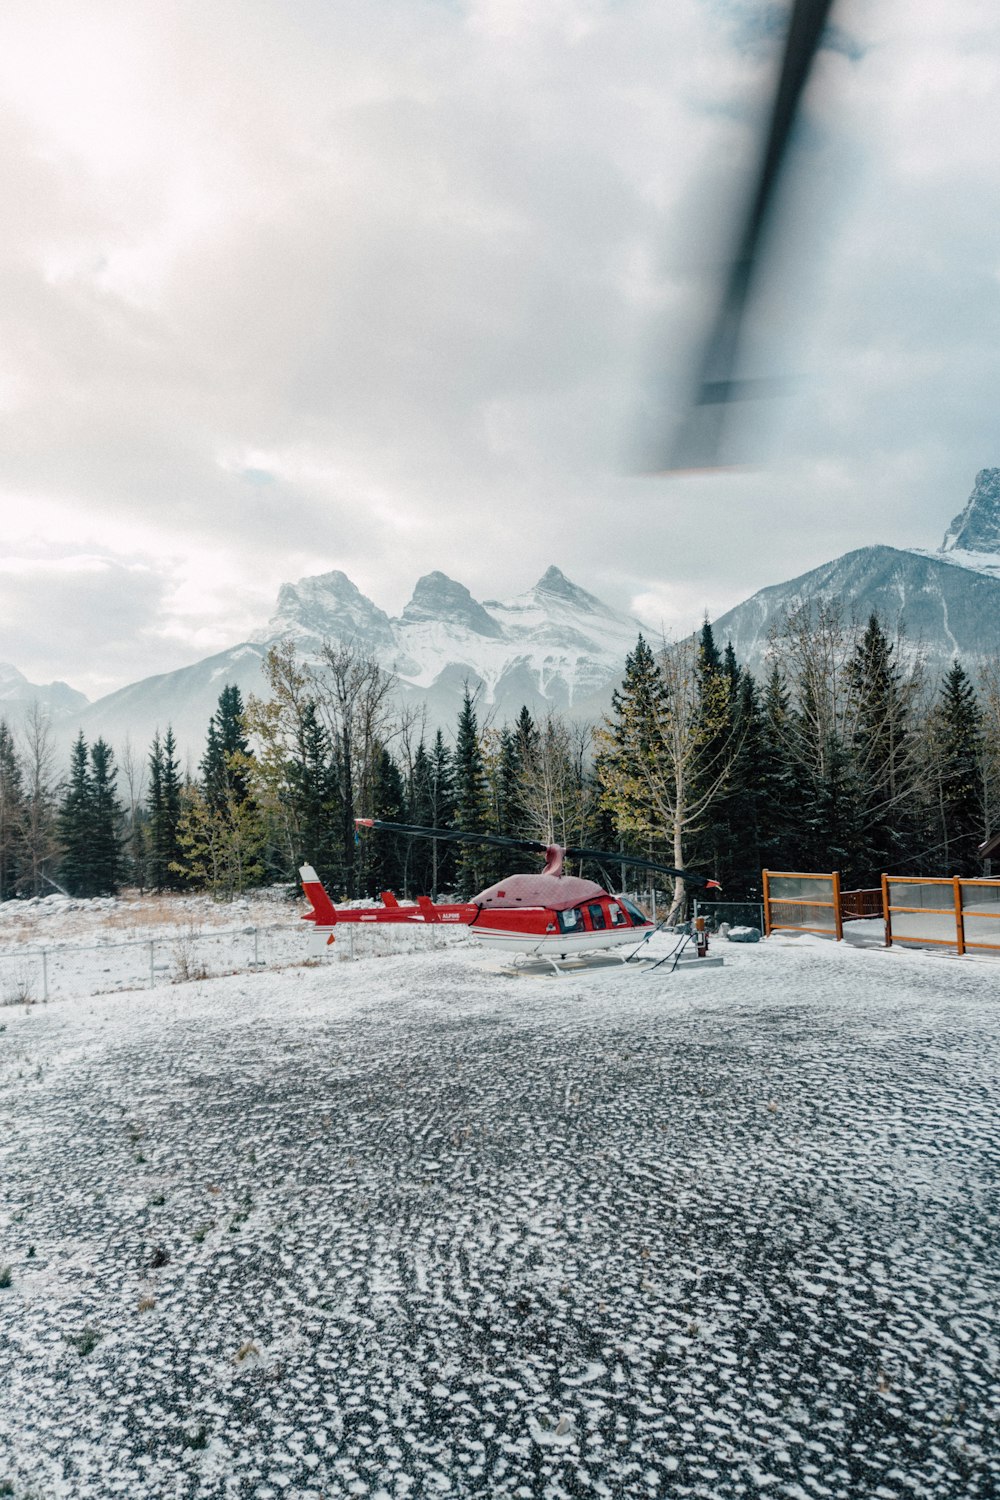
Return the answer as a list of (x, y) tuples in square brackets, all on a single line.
[(529, 846), (454, 835), (697, 444), (608, 856)]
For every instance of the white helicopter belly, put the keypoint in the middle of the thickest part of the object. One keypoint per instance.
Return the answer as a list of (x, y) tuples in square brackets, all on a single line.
[(558, 942)]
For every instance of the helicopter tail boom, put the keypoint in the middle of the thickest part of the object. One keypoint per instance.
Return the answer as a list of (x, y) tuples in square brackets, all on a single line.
[(326, 916)]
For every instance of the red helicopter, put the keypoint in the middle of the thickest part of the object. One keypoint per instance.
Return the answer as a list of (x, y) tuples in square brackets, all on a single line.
[(547, 915)]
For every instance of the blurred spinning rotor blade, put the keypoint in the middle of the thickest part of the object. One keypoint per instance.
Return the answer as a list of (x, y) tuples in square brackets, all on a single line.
[(697, 443)]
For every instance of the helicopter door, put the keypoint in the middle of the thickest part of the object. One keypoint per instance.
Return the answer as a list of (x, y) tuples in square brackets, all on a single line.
[(597, 918)]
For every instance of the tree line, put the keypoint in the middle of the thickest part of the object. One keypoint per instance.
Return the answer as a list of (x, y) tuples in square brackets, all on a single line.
[(845, 755)]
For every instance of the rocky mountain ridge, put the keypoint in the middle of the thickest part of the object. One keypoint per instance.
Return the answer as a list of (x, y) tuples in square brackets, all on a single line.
[(17, 692), (946, 602), (976, 529), (555, 646)]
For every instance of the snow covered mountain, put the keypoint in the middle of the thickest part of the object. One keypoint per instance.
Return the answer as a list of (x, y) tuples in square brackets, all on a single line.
[(17, 694), (973, 538), (556, 645), (948, 601), (553, 647)]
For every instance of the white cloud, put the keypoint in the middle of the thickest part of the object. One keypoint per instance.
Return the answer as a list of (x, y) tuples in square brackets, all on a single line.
[(285, 288)]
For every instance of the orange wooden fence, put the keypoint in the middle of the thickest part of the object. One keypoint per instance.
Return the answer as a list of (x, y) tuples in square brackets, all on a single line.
[(947, 912), (941, 911), (797, 902)]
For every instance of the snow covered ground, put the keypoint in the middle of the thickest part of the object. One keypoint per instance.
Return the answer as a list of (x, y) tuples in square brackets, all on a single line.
[(58, 947), (406, 1228)]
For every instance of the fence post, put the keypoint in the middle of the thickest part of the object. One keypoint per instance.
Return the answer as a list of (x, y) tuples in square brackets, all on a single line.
[(836, 906), (152, 970), (653, 903), (256, 959), (45, 975), (959, 918), (885, 911), (767, 905)]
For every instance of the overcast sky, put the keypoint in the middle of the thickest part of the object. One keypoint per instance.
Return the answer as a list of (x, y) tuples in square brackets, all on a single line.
[(385, 285)]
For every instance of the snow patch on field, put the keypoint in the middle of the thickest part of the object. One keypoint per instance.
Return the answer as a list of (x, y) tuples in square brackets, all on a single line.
[(406, 1228)]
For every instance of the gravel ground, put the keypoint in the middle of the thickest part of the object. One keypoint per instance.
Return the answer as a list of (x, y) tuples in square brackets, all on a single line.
[(404, 1228)]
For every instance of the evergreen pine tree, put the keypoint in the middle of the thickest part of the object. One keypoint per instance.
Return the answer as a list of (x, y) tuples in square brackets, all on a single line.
[(526, 732), (155, 863), (172, 804), (163, 806), (786, 811), (881, 748), (744, 855), (221, 830), (517, 758), (839, 838), (213, 769), (602, 830), (76, 823), (107, 815), (958, 737), (508, 816), (314, 792), (630, 748), (718, 680), (12, 815), (471, 802), (385, 858), (226, 744), (419, 811), (731, 669), (442, 814)]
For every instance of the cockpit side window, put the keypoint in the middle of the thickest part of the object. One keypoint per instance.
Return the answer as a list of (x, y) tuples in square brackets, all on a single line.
[(618, 917), (597, 921), (639, 918), (571, 921)]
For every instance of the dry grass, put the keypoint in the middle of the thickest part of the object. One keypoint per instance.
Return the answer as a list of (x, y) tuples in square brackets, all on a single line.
[(167, 911), (18, 986), (135, 916)]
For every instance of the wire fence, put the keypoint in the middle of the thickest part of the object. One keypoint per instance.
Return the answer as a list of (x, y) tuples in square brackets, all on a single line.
[(39, 972), (49, 971), (736, 913)]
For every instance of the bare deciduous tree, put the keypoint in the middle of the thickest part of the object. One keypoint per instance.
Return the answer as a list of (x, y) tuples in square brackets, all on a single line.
[(555, 792), (990, 700), (664, 783), (41, 842), (132, 765)]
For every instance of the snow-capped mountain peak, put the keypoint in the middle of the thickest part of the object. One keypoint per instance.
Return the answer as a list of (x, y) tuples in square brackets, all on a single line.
[(15, 689), (972, 540), (556, 646), (554, 584), (977, 527), (327, 606), (438, 597), (553, 647)]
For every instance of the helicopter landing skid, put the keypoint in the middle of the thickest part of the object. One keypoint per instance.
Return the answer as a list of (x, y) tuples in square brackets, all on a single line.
[(542, 966)]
